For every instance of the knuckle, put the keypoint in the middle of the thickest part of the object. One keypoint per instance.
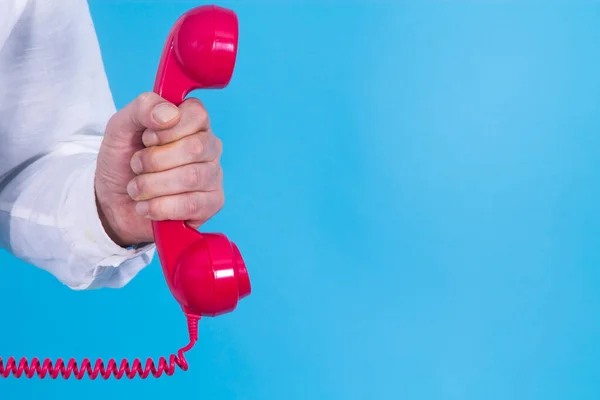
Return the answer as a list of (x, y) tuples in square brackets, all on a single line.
[(203, 118), (145, 98), (192, 204), (195, 145), (217, 202), (141, 106), (219, 145), (200, 114), (194, 103), (220, 200), (194, 176)]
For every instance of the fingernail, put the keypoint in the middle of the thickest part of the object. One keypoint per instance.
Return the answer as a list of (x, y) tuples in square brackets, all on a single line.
[(136, 164), (142, 208), (165, 113), (150, 138), (132, 189)]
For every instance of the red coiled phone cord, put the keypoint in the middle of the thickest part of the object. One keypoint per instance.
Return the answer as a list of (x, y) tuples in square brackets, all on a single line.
[(29, 369)]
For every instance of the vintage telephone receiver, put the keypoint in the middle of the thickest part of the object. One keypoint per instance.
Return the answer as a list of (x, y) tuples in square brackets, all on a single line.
[(205, 272)]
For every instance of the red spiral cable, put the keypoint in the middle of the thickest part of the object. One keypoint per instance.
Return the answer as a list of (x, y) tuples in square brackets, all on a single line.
[(59, 368)]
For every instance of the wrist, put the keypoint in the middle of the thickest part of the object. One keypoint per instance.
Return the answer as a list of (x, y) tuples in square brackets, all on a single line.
[(108, 220)]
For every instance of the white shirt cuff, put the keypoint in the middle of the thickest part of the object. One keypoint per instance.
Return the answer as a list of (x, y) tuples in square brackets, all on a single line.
[(110, 265)]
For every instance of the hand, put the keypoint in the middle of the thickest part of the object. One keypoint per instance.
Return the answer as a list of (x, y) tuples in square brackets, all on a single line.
[(157, 162)]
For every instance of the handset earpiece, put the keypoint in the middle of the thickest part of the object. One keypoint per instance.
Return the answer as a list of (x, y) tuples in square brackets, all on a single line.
[(200, 53), (204, 271)]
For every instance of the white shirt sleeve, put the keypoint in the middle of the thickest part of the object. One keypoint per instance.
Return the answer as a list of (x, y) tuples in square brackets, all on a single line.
[(55, 102)]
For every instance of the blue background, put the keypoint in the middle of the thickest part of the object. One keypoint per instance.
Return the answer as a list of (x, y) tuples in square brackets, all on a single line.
[(415, 189)]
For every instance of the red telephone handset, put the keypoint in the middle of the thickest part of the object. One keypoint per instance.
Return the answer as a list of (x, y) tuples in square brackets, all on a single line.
[(205, 272)]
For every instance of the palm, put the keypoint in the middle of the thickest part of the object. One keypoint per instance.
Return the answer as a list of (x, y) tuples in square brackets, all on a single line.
[(113, 173)]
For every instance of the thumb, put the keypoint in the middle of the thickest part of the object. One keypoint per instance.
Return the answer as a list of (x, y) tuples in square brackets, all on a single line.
[(147, 111)]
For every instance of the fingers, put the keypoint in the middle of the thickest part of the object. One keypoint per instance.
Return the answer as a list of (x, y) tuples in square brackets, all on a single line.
[(178, 175), (194, 118), (147, 111), (197, 177), (193, 206), (189, 141), (195, 148)]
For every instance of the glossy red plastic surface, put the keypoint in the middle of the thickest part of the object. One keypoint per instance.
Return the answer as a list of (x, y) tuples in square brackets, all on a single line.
[(97, 369), (204, 271)]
